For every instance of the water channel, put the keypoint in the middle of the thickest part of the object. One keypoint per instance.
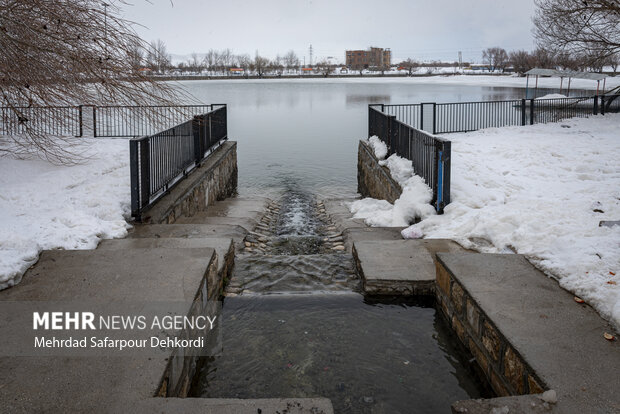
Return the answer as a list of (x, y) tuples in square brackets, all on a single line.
[(295, 321)]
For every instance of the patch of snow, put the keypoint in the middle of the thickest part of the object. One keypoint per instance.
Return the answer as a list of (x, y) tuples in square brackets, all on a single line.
[(413, 202), (47, 206), (549, 396), (378, 146), (541, 191), (553, 96)]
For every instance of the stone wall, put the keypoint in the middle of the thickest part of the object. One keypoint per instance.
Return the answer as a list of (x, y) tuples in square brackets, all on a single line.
[(500, 363), (215, 179), (374, 180)]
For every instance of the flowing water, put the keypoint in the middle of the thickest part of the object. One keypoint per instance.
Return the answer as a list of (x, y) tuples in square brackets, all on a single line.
[(295, 324)]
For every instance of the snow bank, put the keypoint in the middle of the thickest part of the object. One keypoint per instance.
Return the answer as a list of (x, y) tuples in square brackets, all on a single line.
[(552, 96), (413, 202), (46, 206), (541, 191)]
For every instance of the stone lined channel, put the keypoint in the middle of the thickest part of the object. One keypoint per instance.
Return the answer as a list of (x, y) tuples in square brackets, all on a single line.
[(295, 324)]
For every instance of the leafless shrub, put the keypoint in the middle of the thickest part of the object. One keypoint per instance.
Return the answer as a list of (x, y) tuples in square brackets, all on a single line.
[(56, 53)]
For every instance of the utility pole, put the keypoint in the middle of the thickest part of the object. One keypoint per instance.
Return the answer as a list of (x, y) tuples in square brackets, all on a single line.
[(310, 52), (460, 60)]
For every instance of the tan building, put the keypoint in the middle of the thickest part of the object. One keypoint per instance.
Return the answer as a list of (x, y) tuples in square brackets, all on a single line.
[(375, 57)]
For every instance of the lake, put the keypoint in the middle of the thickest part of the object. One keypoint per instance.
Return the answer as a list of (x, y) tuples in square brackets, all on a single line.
[(303, 134)]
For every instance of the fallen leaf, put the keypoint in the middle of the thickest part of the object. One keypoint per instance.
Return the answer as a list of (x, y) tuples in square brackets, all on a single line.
[(609, 336), (612, 273), (578, 300), (611, 282)]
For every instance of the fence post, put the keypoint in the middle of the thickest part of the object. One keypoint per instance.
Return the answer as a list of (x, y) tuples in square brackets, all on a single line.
[(523, 112), (422, 116), (81, 122), (434, 116), (94, 121), (196, 132), (531, 111), (443, 152), (595, 109), (392, 134), (139, 157), (602, 104)]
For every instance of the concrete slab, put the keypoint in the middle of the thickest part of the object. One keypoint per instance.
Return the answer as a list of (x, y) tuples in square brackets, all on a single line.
[(224, 247), (530, 404), (561, 340), (245, 207), (203, 217), (340, 215), (395, 267), (103, 384), (234, 406), (188, 231)]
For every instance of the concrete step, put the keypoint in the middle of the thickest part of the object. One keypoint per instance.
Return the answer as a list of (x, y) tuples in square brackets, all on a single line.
[(245, 207), (224, 247), (525, 314), (339, 213), (204, 217), (108, 384), (396, 267), (188, 231)]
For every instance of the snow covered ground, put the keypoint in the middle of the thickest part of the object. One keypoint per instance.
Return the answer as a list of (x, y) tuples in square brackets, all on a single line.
[(47, 206), (537, 190)]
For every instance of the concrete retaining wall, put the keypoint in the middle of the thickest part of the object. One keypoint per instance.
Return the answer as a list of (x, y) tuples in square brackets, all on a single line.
[(504, 368), (374, 180), (215, 179)]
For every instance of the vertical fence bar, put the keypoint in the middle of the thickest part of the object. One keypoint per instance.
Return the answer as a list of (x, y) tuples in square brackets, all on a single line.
[(531, 111), (434, 118)]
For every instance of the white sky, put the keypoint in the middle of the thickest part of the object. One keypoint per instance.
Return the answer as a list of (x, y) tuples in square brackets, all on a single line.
[(423, 30)]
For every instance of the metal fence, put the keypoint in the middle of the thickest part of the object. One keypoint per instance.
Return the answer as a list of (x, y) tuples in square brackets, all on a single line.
[(133, 121), (429, 155), (41, 120), (442, 118), (160, 160)]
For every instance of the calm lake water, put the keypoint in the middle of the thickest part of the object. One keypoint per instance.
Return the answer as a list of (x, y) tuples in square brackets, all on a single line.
[(304, 133)]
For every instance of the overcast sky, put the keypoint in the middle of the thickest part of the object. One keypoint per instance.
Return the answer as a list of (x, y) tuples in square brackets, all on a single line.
[(423, 30)]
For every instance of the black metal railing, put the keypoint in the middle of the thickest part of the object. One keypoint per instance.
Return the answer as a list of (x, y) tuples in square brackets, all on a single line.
[(443, 118), (160, 160), (134, 121), (430, 156), (41, 120)]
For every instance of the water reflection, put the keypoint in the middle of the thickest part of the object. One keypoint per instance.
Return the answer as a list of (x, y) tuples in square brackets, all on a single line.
[(308, 130)]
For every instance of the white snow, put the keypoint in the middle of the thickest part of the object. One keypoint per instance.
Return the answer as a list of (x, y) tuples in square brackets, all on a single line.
[(413, 202), (47, 206), (378, 146), (541, 191), (552, 96)]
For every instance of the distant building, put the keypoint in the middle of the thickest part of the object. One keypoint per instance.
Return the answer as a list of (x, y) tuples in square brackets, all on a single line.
[(375, 57)]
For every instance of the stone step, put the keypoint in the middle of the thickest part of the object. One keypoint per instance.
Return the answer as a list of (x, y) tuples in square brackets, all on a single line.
[(203, 217), (245, 207), (339, 213), (397, 267), (224, 247), (526, 329), (188, 231), (79, 384)]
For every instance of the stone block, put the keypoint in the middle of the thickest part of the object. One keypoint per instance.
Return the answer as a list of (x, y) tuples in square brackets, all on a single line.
[(498, 385), (481, 358), (457, 297), (491, 341), (514, 370), (534, 386), (443, 279), (473, 316)]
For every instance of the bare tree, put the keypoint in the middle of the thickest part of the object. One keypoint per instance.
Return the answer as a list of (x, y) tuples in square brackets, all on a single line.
[(135, 56), (291, 61), (411, 65), (158, 56), (66, 53), (521, 61), (260, 65), (209, 60), (544, 58), (578, 25), (325, 68), (496, 58)]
